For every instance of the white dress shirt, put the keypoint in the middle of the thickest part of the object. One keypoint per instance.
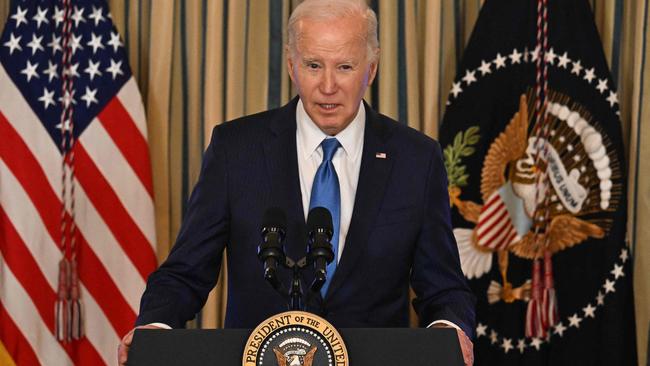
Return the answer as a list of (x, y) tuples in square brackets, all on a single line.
[(346, 161)]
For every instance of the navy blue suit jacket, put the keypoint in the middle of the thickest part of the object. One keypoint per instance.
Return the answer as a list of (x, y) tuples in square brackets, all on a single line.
[(400, 232)]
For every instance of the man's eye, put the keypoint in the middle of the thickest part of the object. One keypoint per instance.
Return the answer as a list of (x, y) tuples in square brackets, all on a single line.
[(346, 67), (312, 65)]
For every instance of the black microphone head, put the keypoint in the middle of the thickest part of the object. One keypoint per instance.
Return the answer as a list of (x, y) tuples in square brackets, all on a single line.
[(274, 217), (319, 218)]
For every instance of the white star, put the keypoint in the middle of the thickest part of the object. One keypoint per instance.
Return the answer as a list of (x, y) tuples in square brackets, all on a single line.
[(115, 69), (35, 44), (13, 43), (58, 16), (493, 336), (600, 298), (536, 342), (589, 311), (617, 271), (563, 60), (93, 69), (67, 98), (66, 124), (30, 71), (515, 57), (47, 98), (55, 44), (499, 61), (574, 321), (602, 85), (51, 71), (609, 286), (589, 75), (19, 17), (481, 330), (559, 329), (89, 97), (455, 88), (550, 56), (612, 99), (40, 17), (623, 255), (97, 15), (115, 41), (96, 42), (534, 54), (469, 77), (72, 70), (576, 67), (78, 16), (521, 345), (75, 43), (506, 345), (485, 68)]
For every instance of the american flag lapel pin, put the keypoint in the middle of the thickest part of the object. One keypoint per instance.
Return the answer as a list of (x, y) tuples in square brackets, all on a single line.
[(380, 155)]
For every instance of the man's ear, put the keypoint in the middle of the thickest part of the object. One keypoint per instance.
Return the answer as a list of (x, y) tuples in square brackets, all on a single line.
[(290, 64), (373, 68)]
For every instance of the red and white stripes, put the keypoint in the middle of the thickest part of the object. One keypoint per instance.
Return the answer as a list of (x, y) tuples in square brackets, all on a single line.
[(494, 229), (114, 228)]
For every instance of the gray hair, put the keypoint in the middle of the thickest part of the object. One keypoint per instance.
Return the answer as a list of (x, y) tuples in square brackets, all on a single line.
[(334, 9)]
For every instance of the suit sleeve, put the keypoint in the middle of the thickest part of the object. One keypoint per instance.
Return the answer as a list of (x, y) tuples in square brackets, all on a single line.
[(178, 289), (441, 289)]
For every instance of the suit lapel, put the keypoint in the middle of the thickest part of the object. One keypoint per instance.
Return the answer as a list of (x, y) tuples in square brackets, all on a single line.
[(282, 165), (373, 178)]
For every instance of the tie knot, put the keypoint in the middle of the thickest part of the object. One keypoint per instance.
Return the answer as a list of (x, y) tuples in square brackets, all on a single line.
[(329, 148)]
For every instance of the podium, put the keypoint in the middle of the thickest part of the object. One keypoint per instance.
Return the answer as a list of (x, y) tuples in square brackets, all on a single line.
[(366, 347)]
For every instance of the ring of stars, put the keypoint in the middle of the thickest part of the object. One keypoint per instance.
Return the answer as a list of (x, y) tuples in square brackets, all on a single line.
[(575, 67)]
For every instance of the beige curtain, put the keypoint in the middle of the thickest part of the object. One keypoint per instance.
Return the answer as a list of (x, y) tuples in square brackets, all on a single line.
[(201, 62)]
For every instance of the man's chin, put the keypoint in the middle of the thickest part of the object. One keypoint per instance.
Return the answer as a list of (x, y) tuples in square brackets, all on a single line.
[(330, 125)]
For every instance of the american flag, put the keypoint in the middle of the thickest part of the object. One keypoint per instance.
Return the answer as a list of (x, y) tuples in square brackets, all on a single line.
[(111, 194)]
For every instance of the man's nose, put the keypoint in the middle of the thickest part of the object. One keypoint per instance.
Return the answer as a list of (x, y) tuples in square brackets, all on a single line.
[(328, 84)]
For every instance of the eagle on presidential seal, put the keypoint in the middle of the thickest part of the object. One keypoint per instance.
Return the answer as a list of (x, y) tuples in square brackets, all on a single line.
[(295, 352)]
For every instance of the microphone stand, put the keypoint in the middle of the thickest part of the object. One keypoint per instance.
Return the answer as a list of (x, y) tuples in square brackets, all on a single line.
[(295, 294)]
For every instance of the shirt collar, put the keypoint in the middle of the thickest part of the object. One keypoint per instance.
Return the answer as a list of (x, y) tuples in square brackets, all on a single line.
[(310, 136)]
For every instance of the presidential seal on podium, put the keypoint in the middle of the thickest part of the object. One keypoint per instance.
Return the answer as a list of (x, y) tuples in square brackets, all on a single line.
[(295, 338)]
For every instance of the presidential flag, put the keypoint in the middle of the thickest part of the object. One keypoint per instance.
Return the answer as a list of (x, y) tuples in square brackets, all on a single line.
[(533, 148), (77, 235)]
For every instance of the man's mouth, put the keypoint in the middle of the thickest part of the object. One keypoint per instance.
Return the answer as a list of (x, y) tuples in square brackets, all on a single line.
[(328, 106)]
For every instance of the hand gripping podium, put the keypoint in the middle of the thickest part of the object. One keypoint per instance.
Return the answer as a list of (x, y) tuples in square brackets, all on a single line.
[(365, 347)]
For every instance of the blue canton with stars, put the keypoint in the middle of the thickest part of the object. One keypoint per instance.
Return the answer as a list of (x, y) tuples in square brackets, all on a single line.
[(31, 52)]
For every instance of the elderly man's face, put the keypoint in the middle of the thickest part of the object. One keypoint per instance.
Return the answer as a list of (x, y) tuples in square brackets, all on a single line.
[(331, 70)]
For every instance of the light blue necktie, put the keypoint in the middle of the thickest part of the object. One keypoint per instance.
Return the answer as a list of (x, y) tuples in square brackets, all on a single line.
[(325, 192)]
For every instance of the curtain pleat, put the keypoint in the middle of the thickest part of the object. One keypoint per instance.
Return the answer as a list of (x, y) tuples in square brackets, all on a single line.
[(639, 179)]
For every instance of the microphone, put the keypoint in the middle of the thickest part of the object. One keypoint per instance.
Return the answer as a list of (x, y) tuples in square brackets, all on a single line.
[(319, 247), (271, 251)]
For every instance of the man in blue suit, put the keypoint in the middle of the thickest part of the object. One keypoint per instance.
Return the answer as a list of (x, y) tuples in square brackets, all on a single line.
[(390, 202)]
